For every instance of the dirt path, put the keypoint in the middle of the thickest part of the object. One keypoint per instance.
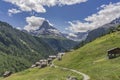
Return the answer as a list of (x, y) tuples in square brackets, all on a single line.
[(85, 76)]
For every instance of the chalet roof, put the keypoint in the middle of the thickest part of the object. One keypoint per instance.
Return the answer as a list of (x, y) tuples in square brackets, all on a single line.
[(42, 60), (37, 63), (7, 72), (52, 56), (113, 48)]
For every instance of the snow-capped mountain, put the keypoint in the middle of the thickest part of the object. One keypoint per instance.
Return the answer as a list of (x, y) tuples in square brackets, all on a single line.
[(46, 29)]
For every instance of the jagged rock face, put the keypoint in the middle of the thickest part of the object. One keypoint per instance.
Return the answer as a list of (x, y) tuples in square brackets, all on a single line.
[(46, 30)]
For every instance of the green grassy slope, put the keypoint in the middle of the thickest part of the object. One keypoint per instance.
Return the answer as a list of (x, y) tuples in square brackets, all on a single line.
[(92, 58), (12, 63), (18, 50), (48, 73)]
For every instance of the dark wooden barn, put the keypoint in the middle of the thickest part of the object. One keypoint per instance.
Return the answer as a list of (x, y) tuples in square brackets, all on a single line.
[(7, 73), (113, 53)]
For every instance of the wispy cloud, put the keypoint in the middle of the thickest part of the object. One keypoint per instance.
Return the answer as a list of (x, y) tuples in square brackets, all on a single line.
[(13, 11), (33, 23), (104, 16)]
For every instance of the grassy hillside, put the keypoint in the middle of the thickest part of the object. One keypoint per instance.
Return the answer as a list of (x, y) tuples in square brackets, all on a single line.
[(18, 50), (48, 73), (92, 58), (12, 63)]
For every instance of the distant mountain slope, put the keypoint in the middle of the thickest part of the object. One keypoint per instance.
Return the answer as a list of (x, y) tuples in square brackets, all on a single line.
[(92, 58), (18, 50), (60, 44), (102, 30)]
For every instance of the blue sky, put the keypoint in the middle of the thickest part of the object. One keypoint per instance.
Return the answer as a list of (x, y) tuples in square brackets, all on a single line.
[(57, 15)]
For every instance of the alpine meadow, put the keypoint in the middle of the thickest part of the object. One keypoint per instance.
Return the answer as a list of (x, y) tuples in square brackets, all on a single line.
[(59, 40)]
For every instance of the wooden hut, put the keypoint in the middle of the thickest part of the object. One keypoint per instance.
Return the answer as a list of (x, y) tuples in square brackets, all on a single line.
[(113, 53), (37, 64), (49, 60), (59, 57), (43, 64), (7, 73)]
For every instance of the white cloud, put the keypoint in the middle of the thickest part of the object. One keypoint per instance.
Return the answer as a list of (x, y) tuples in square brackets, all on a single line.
[(54, 31), (19, 28), (28, 5), (77, 26), (104, 16), (13, 11), (71, 2), (38, 5), (72, 35), (33, 23)]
